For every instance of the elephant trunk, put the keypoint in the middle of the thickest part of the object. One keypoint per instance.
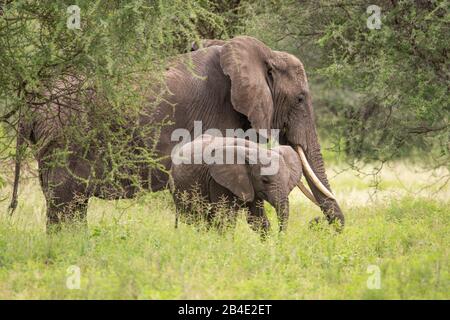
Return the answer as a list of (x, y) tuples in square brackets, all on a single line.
[(314, 170), (318, 181), (282, 209)]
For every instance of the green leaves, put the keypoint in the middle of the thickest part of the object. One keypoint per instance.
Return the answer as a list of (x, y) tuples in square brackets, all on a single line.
[(394, 79), (105, 68)]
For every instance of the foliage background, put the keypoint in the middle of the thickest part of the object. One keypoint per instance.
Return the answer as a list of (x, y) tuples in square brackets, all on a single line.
[(380, 94)]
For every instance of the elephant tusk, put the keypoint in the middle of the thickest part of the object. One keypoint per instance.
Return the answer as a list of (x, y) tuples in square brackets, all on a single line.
[(309, 171), (307, 193)]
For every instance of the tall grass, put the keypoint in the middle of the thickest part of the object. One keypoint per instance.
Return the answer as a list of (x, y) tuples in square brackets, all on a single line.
[(132, 250)]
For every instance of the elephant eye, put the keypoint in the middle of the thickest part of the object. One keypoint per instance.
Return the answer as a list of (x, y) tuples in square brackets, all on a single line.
[(301, 98), (270, 74), (265, 179)]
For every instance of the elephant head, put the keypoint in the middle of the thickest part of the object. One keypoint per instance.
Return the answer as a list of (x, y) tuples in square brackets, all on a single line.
[(271, 89)]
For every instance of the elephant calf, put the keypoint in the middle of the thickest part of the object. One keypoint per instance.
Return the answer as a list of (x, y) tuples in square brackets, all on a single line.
[(255, 174)]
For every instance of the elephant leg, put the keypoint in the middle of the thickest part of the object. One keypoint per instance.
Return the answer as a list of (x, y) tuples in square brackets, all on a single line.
[(222, 217), (224, 210), (67, 200), (257, 218), (67, 211)]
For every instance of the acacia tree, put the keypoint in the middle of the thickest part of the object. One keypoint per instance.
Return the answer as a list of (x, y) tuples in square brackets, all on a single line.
[(96, 62)]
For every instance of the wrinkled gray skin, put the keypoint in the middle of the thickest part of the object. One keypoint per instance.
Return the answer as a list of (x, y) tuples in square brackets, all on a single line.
[(239, 84), (241, 183)]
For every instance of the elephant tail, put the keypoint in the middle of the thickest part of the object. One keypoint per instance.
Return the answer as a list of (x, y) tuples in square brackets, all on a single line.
[(13, 204), (20, 148)]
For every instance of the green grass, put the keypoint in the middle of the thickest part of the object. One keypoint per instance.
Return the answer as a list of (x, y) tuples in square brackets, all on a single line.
[(132, 251)]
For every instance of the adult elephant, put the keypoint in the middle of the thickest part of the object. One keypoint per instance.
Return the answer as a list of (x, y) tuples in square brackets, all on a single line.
[(237, 84)]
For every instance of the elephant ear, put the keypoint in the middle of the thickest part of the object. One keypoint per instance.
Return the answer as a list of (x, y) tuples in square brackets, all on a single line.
[(292, 161), (246, 61), (235, 177)]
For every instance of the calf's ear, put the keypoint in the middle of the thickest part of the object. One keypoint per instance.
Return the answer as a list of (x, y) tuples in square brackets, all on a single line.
[(234, 177)]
